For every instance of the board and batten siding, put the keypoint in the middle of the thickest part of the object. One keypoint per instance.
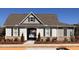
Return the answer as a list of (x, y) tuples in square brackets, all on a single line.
[(60, 32), (24, 32), (41, 31), (8, 31), (29, 20)]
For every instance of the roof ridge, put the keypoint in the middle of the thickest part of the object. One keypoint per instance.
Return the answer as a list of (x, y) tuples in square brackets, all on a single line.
[(28, 13)]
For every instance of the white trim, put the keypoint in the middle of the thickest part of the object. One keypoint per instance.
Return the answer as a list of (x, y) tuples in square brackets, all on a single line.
[(47, 32), (24, 18), (44, 25), (37, 17), (54, 32), (28, 15), (15, 31)]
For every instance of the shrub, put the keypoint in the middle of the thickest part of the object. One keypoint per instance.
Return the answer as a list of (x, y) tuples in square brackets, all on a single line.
[(16, 40), (2, 41), (47, 39), (39, 37), (54, 39), (7, 41), (72, 39), (67, 40)]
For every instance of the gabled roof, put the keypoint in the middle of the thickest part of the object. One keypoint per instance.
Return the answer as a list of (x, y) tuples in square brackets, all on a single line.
[(25, 20), (45, 19)]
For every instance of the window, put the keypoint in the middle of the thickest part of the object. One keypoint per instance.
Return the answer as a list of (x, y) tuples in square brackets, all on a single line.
[(31, 19), (15, 31), (41, 31), (60, 32), (8, 31), (47, 32), (70, 32), (54, 32)]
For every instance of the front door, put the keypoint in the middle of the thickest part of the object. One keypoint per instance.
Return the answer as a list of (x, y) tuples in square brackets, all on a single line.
[(31, 34)]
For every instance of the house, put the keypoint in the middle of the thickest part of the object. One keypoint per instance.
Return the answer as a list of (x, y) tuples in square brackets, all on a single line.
[(76, 31), (1, 30), (30, 25)]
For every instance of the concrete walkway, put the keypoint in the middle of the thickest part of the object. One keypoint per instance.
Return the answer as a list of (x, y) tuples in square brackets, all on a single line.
[(30, 42)]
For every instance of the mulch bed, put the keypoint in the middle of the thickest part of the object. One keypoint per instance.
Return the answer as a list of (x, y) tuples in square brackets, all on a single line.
[(38, 42), (12, 42)]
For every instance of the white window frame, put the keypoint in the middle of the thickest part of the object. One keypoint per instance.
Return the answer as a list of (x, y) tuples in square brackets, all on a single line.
[(8, 31), (30, 19), (54, 32), (15, 31), (47, 32), (69, 32), (41, 31), (24, 32)]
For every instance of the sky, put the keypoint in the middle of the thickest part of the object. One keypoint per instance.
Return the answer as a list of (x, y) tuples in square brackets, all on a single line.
[(65, 15)]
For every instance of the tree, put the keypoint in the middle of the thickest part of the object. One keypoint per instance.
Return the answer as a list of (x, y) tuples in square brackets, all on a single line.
[(22, 38), (39, 37), (72, 37), (3, 32), (76, 31)]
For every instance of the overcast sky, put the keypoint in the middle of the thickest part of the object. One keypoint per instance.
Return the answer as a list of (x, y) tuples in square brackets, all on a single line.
[(65, 15)]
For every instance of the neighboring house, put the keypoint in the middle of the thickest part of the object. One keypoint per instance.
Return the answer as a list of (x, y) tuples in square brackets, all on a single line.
[(1, 31), (76, 31), (30, 25)]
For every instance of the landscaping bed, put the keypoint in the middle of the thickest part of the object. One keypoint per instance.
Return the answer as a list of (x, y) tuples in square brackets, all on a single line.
[(11, 41), (38, 42), (7, 41), (55, 41)]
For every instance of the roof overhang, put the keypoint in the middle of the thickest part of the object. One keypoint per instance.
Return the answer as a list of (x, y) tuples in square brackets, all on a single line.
[(37, 26)]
